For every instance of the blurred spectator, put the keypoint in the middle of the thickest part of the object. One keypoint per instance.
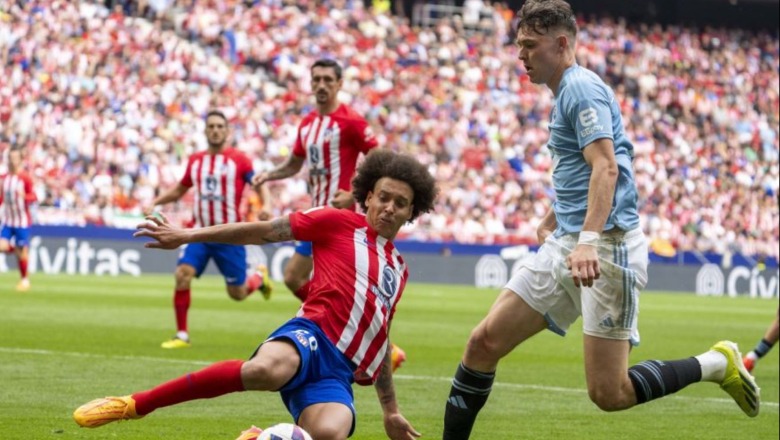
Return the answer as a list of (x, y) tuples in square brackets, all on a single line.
[(108, 104)]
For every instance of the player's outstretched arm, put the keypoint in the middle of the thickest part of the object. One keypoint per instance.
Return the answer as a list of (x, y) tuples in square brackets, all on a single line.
[(290, 167), (396, 425), (167, 236)]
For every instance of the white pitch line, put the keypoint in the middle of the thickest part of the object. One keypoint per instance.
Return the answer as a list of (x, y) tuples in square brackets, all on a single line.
[(520, 386)]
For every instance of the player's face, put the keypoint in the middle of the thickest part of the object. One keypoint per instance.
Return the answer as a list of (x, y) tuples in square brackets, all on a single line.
[(14, 160), (216, 131), (389, 206), (325, 85), (541, 54)]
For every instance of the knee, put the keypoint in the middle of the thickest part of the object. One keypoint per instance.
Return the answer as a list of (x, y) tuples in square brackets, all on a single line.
[(184, 276), (237, 293), (608, 399), (327, 431), (255, 374), (482, 346)]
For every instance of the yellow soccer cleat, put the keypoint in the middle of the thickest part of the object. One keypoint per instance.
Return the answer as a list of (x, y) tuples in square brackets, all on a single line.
[(267, 287), (397, 356), (176, 342), (740, 385), (23, 285), (250, 434), (106, 410)]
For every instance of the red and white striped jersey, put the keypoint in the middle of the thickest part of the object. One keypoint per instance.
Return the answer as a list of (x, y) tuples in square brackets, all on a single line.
[(332, 144), (15, 200), (219, 181), (358, 280)]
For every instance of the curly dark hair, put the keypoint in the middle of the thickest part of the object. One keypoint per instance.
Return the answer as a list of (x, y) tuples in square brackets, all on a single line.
[(542, 15), (381, 163)]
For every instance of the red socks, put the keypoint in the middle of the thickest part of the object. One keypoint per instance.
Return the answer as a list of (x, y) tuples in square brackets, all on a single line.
[(254, 282), (181, 304), (23, 268), (215, 380)]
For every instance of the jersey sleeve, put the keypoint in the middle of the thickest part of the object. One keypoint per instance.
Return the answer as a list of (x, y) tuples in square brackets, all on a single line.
[(247, 170), (588, 110), (365, 136), (316, 224), (186, 180), (298, 148), (29, 193)]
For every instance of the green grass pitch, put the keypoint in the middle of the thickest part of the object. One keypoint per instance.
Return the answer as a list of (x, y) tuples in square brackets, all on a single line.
[(72, 339)]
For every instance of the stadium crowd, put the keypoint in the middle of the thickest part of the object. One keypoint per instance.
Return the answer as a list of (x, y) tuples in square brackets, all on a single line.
[(109, 102)]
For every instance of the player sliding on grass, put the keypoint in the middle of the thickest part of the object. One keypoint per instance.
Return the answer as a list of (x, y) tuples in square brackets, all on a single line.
[(344, 323), (593, 258)]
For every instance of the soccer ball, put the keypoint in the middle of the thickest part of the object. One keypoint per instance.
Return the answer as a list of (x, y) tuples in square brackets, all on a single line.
[(284, 431)]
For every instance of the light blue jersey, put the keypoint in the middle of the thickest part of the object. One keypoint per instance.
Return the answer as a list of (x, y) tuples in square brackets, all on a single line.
[(585, 111)]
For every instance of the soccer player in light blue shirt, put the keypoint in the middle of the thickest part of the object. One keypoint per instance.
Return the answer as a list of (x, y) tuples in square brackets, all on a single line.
[(593, 258)]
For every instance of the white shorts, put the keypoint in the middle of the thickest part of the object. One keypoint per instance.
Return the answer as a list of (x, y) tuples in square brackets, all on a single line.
[(609, 309)]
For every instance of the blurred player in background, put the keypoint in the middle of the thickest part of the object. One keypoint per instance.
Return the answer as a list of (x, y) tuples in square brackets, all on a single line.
[(764, 345), (219, 176), (342, 326), (593, 258), (331, 138), (15, 199)]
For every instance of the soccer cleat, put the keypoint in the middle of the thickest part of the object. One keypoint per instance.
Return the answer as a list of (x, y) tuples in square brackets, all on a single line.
[(749, 363), (397, 357), (267, 287), (176, 342), (737, 381), (23, 285), (106, 410), (250, 434)]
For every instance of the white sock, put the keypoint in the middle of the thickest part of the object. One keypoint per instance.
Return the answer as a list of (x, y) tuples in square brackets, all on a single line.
[(713, 366), (752, 355), (184, 336)]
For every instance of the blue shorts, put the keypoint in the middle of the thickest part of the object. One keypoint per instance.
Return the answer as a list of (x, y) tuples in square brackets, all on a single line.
[(303, 248), (22, 235), (325, 374), (230, 259)]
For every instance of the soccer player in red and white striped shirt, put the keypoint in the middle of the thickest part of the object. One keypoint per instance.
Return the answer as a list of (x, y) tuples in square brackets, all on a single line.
[(329, 139), (15, 199), (342, 326), (219, 176)]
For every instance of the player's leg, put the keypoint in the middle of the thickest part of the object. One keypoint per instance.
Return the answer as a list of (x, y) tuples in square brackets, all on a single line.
[(509, 322), (319, 397), (192, 262), (22, 255), (273, 365), (231, 262), (609, 311), (298, 270), (22, 242), (327, 421), (764, 345), (531, 301), (6, 233)]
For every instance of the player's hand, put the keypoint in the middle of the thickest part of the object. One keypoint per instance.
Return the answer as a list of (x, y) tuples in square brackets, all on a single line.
[(398, 428), (342, 199), (160, 230), (583, 263), (259, 179)]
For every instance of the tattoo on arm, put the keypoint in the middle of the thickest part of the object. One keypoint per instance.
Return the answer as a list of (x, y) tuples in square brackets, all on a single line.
[(384, 382), (280, 231)]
